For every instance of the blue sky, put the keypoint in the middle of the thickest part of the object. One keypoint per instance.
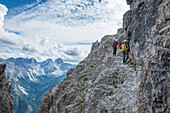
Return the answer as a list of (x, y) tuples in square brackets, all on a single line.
[(56, 28)]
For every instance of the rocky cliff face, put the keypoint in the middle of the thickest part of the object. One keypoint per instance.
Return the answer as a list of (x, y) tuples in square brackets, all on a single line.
[(101, 84), (148, 26), (6, 103)]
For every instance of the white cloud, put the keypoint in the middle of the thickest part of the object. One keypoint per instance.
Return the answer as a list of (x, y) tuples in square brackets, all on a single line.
[(56, 19), (3, 11), (9, 42), (49, 28), (73, 51)]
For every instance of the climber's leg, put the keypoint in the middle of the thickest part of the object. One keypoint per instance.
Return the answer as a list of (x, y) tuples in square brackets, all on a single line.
[(124, 61), (127, 56)]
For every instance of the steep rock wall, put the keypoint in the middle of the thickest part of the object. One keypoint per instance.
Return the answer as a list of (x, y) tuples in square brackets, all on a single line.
[(147, 26), (6, 102)]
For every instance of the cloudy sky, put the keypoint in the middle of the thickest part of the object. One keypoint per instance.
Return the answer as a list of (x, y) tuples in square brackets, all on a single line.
[(56, 28)]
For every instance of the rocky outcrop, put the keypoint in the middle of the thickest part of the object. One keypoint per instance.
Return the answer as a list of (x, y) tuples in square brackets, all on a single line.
[(6, 103), (100, 83)]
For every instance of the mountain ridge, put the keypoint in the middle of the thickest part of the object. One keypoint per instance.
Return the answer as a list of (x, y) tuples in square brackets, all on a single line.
[(93, 84)]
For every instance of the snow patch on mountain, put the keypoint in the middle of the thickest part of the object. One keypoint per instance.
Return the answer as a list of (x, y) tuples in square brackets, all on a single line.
[(31, 76), (22, 89)]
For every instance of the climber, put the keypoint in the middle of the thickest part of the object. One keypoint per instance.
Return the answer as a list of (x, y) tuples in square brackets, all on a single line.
[(125, 51), (114, 45)]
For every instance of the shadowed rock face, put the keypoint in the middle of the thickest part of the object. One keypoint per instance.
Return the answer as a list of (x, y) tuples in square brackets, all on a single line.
[(100, 83), (6, 102)]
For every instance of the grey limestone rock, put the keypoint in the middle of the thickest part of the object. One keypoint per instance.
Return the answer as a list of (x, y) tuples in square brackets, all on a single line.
[(148, 22), (6, 102)]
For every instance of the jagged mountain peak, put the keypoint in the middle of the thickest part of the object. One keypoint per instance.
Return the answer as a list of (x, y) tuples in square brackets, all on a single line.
[(59, 61), (47, 61)]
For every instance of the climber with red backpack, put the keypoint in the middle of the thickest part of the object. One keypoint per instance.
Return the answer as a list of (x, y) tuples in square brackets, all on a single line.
[(114, 45)]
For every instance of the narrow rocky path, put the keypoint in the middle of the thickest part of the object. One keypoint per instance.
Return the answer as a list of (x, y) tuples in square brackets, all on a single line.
[(123, 94), (129, 88), (115, 87)]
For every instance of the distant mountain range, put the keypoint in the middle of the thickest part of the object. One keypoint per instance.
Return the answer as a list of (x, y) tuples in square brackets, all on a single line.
[(31, 80)]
